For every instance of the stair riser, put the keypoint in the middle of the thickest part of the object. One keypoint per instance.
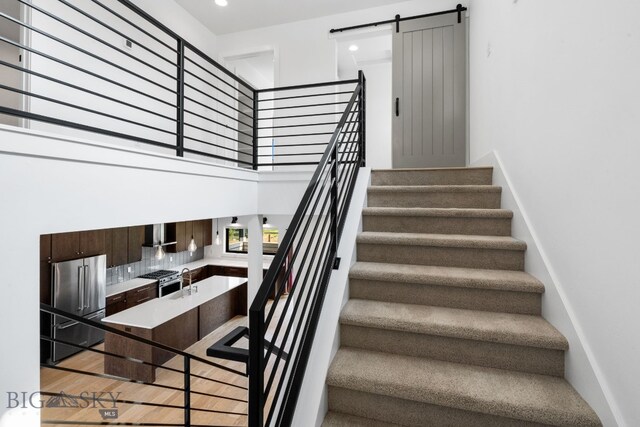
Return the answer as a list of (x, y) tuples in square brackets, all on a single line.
[(446, 296), (480, 353), (410, 413), (433, 200), (494, 259), (433, 177), (438, 225)]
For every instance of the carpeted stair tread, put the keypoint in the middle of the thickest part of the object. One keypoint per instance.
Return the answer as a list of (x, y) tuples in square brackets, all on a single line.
[(434, 189), (438, 212), (447, 168), (502, 280), (335, 419), (503, 328), (442, 240), (530, 397)]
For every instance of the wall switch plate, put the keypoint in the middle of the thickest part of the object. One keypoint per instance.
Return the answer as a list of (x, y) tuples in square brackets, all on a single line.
[(170, 259), (129, 269)]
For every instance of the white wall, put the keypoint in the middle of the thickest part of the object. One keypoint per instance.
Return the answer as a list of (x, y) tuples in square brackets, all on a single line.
[(554, 92), (307, 54)]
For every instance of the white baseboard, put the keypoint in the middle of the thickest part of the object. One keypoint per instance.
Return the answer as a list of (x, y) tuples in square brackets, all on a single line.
[(581, 369)]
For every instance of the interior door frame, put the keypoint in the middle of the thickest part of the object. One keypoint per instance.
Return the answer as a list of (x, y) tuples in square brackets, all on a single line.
[(397, 84)]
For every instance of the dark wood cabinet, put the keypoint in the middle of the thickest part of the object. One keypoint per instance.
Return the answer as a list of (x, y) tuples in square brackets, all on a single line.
[(45, 247), (181, 236), (181, 233), (92, 243), (65, 246), (235, 271), (108, 246), (198, 233), (221, 309), (208, 232), (120, 246), (124, 300), (77, 244), (136, 240), (142, 294), (116, 303), (198, 274)]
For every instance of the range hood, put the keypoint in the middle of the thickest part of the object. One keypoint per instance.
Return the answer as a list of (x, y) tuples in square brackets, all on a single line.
[(156, 235)]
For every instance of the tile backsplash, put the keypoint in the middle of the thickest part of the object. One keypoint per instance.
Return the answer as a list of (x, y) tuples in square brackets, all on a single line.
[(149, 263)]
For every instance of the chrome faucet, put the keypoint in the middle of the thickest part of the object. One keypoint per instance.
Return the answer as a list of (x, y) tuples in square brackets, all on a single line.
[(182, 280)]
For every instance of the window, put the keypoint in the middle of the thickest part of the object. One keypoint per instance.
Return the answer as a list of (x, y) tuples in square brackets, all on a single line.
[(237, 240)]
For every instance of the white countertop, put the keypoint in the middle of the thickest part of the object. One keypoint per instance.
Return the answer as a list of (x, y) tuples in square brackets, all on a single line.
[(137, 282), (127, 286), (160, 310)]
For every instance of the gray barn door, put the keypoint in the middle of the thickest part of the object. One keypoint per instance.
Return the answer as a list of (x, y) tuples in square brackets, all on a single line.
[(429, 92)]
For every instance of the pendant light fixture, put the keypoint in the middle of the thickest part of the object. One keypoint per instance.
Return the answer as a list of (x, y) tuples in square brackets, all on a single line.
[(159, 252), (217, 233), (192, 245)]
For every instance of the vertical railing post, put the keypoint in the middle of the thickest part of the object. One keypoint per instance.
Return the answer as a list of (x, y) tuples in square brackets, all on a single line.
[(255, 130), (256, 368), (362, 117), (180, 101), (334, 202), (187, 391)]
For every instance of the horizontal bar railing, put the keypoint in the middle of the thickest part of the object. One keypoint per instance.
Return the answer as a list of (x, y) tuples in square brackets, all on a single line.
[(160, 91), (292, 120), (183, 385), (306, 255)]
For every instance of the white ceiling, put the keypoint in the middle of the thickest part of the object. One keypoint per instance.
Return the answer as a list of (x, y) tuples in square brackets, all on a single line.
[(242, 15)]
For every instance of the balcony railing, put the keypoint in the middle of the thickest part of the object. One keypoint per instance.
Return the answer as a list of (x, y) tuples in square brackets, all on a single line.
[(107, 70)]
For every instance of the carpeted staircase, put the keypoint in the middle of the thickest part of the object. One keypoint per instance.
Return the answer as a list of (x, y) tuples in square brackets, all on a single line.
[(443, 326)]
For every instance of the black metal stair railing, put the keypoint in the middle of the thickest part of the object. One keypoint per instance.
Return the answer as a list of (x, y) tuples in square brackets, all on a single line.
[(181, 396), (280, 337)]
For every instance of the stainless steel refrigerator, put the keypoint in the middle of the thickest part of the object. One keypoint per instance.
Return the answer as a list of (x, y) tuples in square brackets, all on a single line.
[(78, 287)]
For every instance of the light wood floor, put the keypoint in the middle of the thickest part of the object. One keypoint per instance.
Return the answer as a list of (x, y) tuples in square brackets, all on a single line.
[(231, 405)]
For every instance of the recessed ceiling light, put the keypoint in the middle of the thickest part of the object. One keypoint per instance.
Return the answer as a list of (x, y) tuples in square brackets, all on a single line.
[(353, 47), (221, 2)]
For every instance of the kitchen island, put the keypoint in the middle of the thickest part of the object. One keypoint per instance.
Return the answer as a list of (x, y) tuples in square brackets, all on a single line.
[(175, 320)]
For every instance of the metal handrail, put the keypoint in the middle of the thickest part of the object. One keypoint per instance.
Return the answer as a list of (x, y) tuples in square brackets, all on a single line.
[(339, 187)]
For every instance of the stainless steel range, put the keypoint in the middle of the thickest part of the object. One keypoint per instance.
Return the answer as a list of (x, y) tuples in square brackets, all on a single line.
[(168, 281)]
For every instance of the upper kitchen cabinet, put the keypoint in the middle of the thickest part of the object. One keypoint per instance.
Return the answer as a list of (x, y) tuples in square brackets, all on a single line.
[(78, 244), (136, 240), (65, 246), (117, 246), (208, 232), (92, 243), (176, 232), (45, 247), (120, 246), (197, 233)]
